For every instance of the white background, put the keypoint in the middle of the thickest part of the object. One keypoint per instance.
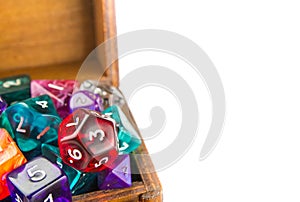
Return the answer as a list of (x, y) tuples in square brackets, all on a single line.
[(255, 46)]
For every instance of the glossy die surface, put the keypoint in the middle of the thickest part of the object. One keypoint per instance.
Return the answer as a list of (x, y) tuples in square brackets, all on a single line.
[(79, 182), (60, 92), (15, 88), (117, 176), (3, 105), (110, 95), (38, 180), (88, 141), (10, 158), (31, 123), (85, 99), (128, 137)]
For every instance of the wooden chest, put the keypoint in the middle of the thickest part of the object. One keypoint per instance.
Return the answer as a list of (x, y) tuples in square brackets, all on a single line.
[(49, 39)]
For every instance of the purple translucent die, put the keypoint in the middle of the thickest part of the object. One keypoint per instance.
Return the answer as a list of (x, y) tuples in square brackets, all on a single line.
[(85, 99), (40, 181), (60, 92), (117, 176), (3, 105)]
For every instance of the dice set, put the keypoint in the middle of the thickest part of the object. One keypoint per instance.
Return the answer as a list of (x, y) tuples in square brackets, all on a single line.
[(60, 138)]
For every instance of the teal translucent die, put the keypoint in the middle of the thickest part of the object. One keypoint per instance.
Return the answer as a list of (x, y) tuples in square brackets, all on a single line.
[(128, 137), (30, 123), (15, 88), (79, 182)]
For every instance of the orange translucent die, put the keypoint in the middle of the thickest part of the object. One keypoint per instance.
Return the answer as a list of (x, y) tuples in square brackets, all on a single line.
[(10, 158)]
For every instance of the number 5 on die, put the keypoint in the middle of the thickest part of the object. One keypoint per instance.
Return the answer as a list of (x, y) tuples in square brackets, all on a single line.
[(39, 180)]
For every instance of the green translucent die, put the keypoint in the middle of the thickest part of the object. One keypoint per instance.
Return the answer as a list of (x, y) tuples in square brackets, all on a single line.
[(30, 123), (15, 88), (79, 182), (128, 137)]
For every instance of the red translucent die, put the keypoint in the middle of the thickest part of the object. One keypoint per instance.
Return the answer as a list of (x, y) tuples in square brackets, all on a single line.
[(10, 158), (88, 140)]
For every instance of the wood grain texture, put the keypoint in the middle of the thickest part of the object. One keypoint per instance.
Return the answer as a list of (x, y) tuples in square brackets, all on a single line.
[(154, 192), (150, 179), (105, 28), (128, 194), (45, 32)]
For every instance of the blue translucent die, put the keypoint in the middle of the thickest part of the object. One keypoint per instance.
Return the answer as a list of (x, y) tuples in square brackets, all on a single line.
[(40, 181), (128, 137), (79, 182), (31, 123)]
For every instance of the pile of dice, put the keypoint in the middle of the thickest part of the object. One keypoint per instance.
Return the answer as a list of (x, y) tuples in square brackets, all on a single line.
[(60, 138)]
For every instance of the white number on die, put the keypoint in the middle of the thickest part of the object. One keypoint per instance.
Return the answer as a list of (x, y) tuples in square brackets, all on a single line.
[(94, 134), (81, 100), (18, 198), (101, 162), (73, 124), (59, 164), (75, 154), (36, 175), (19, 128), (55, 87), (124, 147), (43, 104), (49, 198), (79, 124), (8, 84)]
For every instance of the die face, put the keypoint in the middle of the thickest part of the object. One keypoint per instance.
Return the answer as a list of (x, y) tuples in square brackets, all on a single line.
[(3, 105), (60, 92), (10, 158), (73, 154), (89, 85), (42, 104), (31, 123), (33, 176), (38, 180), (86, 100), (16, 88), (58, 191), (97, 136), (109, 95), (128, 137), (118, 176), (88, 141)]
